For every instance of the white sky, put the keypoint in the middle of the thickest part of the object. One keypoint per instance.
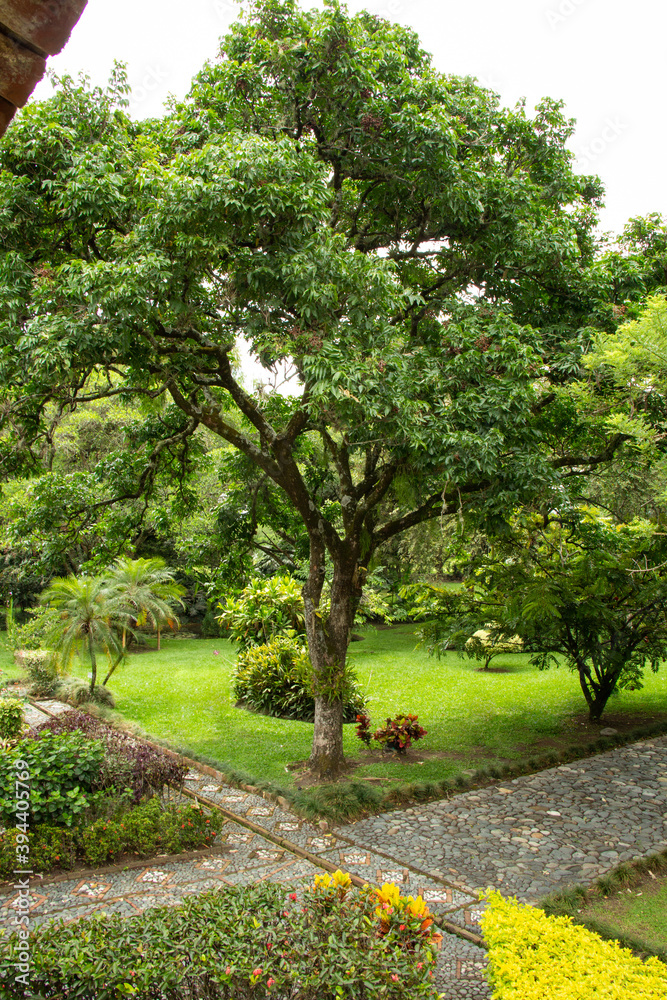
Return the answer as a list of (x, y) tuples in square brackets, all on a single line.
[(605, 58)]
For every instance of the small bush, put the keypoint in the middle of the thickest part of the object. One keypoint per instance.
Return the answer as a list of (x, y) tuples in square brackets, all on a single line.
[(11, 718), (277, 679), (143, 830), (49, 847), (127, 761), (63, 773), (397, 734), (40, 666), (264, 610), (77, 692), (245, 943), (536, 957)]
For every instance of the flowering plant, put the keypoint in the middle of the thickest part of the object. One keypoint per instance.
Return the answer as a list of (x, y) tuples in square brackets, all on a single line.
[(397, 733)]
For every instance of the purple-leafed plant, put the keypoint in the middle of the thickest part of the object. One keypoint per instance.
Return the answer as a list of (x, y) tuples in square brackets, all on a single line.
[(128, 762)]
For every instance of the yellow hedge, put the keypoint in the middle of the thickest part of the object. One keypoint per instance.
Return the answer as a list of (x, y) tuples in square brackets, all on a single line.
[(536, 957)]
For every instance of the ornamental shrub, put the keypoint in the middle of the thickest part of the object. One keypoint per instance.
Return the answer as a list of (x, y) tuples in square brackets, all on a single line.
[(536, 957), (143, 830), (64, 777), (127, 761), (49, 847), (276, 679), (245, 943), (397, 734), (265, 609), (11, 718)]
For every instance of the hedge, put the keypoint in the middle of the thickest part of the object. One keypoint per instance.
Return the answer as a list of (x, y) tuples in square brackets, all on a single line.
[(536, 957), (260, 941)]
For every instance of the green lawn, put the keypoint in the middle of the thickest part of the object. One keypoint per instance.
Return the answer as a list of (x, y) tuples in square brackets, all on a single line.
[(638, 914), (183, 695)]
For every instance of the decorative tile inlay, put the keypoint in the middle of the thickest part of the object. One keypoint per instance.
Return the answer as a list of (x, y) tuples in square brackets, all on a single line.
[(355, 859), (154, 875), (213, 864), (16, 902), (390, 875), (260, 811), (265, 855), (318, 843), (210, 788), (287, 827), (233, 798), (91, 890), (192, 776)]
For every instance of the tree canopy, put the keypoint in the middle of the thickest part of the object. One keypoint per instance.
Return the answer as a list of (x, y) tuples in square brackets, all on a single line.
[(422, 258)]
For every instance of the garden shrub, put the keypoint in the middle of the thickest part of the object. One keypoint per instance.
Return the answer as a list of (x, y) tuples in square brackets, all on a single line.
[(536, 957), (64, 777), (397, 734), (49, 847), (127, 761), (246, 942), (143, 830), (11, 718), (277, 679), (41, 668), (265, 609), (77, 692)]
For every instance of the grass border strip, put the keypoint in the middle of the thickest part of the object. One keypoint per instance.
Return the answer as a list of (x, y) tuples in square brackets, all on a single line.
[(568, 901)]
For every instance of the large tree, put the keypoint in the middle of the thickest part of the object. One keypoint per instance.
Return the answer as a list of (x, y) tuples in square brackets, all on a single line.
[(417, 253)]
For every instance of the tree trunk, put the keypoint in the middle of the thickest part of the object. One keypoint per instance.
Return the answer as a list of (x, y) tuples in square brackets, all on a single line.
[(111, 670), (328, 640), (93, 663), (596, 692)]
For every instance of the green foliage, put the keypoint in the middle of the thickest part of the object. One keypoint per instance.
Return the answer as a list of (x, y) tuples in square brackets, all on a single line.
[(147, 829), (276, 679), (143, 830), (265, 609), (572, 582), (42, 668), (11, 718), (245, 942), (49, 847), (77, 692), (323, 189), (64, 774)]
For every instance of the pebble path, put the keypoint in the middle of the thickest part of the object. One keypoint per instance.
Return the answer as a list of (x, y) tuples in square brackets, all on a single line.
[(528, 836)]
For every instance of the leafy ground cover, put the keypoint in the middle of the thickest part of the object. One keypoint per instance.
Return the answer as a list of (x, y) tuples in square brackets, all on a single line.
[(629, 904), (246, 943), (183, 695)]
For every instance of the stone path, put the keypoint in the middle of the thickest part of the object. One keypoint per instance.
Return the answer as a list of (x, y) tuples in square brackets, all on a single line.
[(529, 836), (539, 833)]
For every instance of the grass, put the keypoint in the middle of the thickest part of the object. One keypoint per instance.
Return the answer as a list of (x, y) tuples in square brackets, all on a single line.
[(182, 695), (635, 914), (628, 904)]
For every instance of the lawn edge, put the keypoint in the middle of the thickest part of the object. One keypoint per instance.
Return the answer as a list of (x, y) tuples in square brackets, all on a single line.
[(570, 900)]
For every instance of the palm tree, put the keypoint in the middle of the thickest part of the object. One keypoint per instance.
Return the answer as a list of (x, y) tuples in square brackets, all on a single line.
[(86, 614), (148, 589)]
